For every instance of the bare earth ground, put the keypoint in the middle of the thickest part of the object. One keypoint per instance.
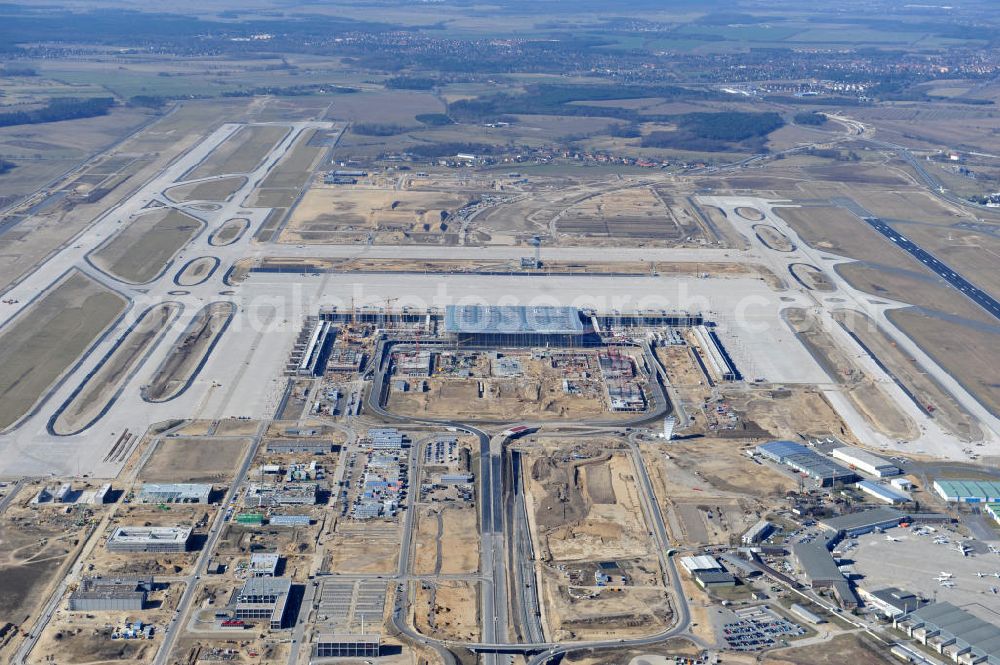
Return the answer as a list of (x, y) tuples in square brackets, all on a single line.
[(190, 349), (447, 610), (38, 346), (193, 460), (446, 540), (364, 548), (871, 401), (929, 393), (325, 212)]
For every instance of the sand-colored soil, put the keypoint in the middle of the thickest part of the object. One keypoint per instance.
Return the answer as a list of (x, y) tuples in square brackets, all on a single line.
[(325, 211), (868, 398), (447, 610), (189, 353), (193, 460)]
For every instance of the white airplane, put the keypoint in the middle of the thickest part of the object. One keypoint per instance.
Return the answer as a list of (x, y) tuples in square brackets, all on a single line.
[(945, 574), (948, 585), (964, 549), (942, 578), (891, 539), (994, 549), (982, 575)]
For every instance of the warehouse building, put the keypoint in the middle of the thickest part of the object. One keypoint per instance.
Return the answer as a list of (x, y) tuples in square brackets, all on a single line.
[(289, 520), (264, 598), (882, 492), (806, 461), (865, 521), (968, 491), (385, 438), (952, 632), (150, 539), (501, 326), (299, 446), (174, 493), (110, 594), (872, 464), (807, 614), (347, 646), (758, 533)]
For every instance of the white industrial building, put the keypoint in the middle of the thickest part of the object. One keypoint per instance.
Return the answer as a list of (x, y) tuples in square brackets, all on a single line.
[(863, 460), (882, 492), (149, 539), (175, 493), (758, 532)]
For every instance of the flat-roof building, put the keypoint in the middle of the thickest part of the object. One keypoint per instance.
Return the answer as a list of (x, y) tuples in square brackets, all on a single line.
[(305, 446), (821, 571), (758, 532), (807, 614), (865, 521), (515, 325), (807, 461), (870, 463), (703, 563), (347, 646), (149, 539), (968, 491), (952, 632), (264, 598), (264, 564), (891, 601), (882, 492), (290, 494), (110, 594), (711, 579), (174, 493)]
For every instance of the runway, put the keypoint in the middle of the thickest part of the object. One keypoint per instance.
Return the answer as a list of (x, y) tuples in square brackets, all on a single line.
[(967, 288)]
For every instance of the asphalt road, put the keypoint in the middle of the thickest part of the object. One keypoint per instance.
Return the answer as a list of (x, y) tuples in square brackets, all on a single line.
[(494, 604), (969, 290), (184, 606)]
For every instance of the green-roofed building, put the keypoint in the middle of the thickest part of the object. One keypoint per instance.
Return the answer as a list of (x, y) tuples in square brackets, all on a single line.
[(968, 491), (993, 510)]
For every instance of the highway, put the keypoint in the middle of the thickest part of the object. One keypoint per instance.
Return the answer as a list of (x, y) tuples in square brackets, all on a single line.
[(494, 607), (967, 288), (522, 558)]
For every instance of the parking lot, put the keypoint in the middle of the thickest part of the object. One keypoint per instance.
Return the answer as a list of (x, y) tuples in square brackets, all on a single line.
[(758, 628)]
